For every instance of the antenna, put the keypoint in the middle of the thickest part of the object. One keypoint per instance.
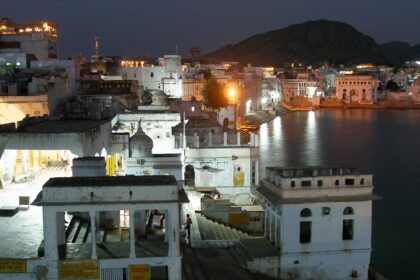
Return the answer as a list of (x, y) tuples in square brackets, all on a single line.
[(97, 45), (176, 49)]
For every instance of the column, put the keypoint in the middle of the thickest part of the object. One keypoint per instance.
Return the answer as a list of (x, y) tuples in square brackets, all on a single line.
[(173, 230), (166, 225), (270, 225), (265, 223), (238, 138), (132, 235), (50, 233), (275, 230), (93, 234), (225, 138), (24, 161)]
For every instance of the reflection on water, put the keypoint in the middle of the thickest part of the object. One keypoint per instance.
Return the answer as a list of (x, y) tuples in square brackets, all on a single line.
[(384, 143)]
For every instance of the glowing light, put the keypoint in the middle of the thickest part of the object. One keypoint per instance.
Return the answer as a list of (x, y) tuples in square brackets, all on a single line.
[(248, 106), (264, 100)]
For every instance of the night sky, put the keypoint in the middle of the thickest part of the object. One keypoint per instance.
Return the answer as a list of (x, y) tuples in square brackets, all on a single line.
[(134, 28)]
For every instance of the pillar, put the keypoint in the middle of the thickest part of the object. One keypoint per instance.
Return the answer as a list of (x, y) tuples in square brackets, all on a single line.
[(275, 230), (132, 235), (92, 213), (225, 138), (61, 229), (174, 270), (210, 139), (50, 234), (173, 230), (166, 225), (265, 223), (269, 225), (238, 138), (24, 161)]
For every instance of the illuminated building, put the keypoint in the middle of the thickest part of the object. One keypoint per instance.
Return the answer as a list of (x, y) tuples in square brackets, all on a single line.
[(167, 76), (320, 218), (356, 88), (39, 39)]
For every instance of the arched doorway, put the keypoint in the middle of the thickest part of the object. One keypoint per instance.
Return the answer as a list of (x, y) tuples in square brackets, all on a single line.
[(189, 175), (226, 122)]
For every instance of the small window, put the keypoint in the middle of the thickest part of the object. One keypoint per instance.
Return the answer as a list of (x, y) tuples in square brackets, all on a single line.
[(347, 229), (152, 74), (306, 213), (362, 181), (293, 184), (348, 211), (337, 182), (306, 183), (319, 183), (326, 211), (305, 232), (349, 182)]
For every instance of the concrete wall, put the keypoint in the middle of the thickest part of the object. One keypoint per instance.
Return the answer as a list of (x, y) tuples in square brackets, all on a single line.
[(327, 255), (223, 163)]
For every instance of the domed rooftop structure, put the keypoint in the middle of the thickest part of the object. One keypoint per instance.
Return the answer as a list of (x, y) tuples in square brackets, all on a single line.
[(141, 145)]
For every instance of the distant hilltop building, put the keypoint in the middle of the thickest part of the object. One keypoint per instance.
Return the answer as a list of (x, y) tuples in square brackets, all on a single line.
[(39, 38)]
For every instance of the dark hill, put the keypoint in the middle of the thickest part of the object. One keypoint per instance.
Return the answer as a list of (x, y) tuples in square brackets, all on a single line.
[(312, 42), (400, 52)]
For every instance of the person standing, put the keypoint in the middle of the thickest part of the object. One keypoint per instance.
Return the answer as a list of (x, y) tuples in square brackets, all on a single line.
[(187, 224)]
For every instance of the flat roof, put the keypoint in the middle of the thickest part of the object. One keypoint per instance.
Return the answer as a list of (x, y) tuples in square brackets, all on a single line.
[(61, 126), (313, 171), (101, 181)]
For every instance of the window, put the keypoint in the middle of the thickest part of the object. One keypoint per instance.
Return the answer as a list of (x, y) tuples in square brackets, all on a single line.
[(348, 211), (319, 183), (306, 183), (152, 74), (362, 181), (347, 229), (306, 213), (305, 232), (293, 184), (337, 182), (349, 182), (326, 211)]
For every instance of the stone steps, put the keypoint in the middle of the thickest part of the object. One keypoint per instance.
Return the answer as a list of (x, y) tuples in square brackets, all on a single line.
[(212, 230)]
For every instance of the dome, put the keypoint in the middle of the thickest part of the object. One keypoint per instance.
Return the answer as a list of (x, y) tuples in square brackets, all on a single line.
[(141, 145)]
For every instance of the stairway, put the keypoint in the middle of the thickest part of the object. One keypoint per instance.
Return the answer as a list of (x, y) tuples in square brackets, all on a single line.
[(240, 254), (212, 230), (78, 231)]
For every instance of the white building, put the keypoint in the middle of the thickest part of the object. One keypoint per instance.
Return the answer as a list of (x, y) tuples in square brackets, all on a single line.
[(320, 219), (167, 76), (227, 165), (95, 196)]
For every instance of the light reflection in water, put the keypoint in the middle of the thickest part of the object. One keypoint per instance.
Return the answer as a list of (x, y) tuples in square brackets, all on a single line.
[(311, 145)]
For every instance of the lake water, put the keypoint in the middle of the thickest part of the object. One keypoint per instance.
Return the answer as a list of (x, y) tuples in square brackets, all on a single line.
[(384, 143)]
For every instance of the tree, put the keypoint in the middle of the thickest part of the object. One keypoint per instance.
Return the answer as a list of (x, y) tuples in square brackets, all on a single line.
[(214, 94), (392, 86)]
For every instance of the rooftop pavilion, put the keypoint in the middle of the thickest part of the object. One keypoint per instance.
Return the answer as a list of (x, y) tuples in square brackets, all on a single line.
[(95, 198)]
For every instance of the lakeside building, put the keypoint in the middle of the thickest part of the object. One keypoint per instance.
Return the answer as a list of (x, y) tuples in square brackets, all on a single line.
[(360, 89), (320, 218)]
